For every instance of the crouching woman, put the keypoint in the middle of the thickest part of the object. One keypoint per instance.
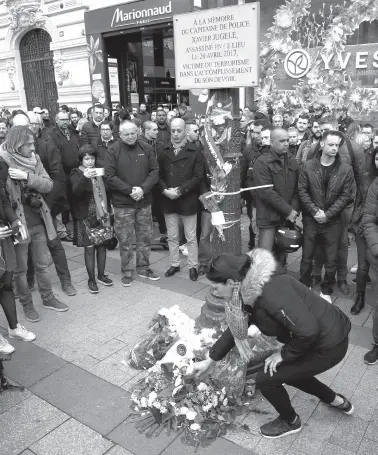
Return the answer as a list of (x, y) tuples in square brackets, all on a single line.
[(314, 333)]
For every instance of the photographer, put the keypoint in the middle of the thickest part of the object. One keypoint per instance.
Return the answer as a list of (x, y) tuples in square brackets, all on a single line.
[(27, 180), (10, 226)]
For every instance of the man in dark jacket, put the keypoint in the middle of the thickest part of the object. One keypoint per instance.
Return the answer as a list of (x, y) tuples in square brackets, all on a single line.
[(55, 200), (326, 186), (131, 171), (143, 115), (68, 147), (302, 127), (90, 133), (164, 133), (280, 203), (105, 141), (180, 173), (353, 155)]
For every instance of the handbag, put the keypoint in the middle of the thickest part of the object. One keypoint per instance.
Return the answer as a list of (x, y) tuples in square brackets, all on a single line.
[(100, 234)]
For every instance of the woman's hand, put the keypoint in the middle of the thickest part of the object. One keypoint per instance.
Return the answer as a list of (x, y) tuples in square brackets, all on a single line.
[(17, 174), (5, 232), (200, 368), (272, 362), (89, 173)]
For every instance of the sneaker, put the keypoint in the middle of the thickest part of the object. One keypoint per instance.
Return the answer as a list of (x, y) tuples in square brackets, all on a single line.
[(105, 280), (21, 333), (326, 297), (69, 289), (371, 357), (5, 347), (346, 407), (279, 428), (354, 269), (56, 305), (93, 288), (126, 281), (184, 250), (30, 312), (149, 274)]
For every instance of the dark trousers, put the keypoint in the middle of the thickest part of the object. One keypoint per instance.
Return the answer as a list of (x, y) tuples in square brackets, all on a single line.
[(301, 375), (363, 263), (267, 239), (328, 236), (157, 211), (7, 301), (342, 252), (60, 261)]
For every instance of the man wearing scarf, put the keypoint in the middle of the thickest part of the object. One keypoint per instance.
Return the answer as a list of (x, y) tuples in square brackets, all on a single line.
[(90, 133), (181, 170), (27, 181)]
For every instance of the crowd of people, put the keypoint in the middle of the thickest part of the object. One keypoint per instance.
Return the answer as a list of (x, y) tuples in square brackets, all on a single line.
[(126, 170)]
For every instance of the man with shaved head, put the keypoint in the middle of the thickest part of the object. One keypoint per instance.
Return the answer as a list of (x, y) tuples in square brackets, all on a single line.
[(279, 203), (131, 172), (180, 176)]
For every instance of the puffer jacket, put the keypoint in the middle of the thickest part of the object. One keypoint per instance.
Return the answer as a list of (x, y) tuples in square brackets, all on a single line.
[(333, 199), (274, 205), (370, 219), (281, 306)]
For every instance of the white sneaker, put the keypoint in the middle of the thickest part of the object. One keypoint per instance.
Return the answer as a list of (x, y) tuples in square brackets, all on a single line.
[(326, 297), (21, 333), (354, 269), (184, 250), (5, 347)]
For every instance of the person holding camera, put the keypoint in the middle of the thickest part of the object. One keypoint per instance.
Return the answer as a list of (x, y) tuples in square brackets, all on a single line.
[(10, 228), (27, 182), (90, 210)]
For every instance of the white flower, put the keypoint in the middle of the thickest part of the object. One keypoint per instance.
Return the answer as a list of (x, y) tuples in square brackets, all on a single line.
[(225, 402), (191, 415), (207, 407), (284, 19), (184, 410), (178, 381), (151, 398), (144, 402), (163, 410), (202, 387), (214, 400), (195, 426)]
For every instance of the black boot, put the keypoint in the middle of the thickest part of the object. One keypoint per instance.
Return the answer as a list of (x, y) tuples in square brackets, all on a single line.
[(359, 303)]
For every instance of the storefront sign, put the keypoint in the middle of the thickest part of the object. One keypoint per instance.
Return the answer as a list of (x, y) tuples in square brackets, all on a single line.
[(218, 48), (133, 14), (113, 79)]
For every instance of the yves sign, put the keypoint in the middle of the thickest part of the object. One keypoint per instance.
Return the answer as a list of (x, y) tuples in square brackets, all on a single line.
[(133, 14), (217, 48)]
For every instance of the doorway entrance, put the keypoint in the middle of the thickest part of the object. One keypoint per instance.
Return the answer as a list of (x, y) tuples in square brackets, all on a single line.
[(38, 71)]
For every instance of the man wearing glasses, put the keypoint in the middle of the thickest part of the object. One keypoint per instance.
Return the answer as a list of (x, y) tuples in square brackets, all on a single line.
[(105, 141), (279, 203), (131, 172)]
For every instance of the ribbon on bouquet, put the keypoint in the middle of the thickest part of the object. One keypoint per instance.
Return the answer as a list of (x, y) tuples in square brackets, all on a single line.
[(217, 193)]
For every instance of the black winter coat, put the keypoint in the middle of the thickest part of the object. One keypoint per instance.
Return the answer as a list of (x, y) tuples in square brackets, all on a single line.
[(333, 199), (102, 148), (184, 171), (68, 150), (282, 307), (274, 205), (50, 158), (82, 191), (370, 219), (90, 134)]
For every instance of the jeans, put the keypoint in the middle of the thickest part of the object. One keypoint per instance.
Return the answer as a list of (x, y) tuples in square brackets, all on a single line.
[(373, 273), (301, 375), (41, 259), (204, 247), (342, 253), (128, 221), (7, 300), (60, 261), (172, 221), (363, 263), (266, 240), (61, 229), (328, 235)]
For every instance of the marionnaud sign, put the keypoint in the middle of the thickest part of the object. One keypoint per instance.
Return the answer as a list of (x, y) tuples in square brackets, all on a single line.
[(133, 14), (217, 48)]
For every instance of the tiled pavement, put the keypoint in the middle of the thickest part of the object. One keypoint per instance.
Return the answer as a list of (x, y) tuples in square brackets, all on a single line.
[(77, 382)]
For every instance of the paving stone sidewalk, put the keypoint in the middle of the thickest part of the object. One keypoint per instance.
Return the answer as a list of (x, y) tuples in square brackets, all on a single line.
[(77, 381)]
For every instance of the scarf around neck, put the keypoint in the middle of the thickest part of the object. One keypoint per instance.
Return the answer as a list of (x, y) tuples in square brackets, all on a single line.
[(178, 147), (99, 194), (27, 164)]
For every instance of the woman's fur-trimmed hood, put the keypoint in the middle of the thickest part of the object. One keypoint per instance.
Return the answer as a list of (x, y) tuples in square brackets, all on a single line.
[(261, 271)]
